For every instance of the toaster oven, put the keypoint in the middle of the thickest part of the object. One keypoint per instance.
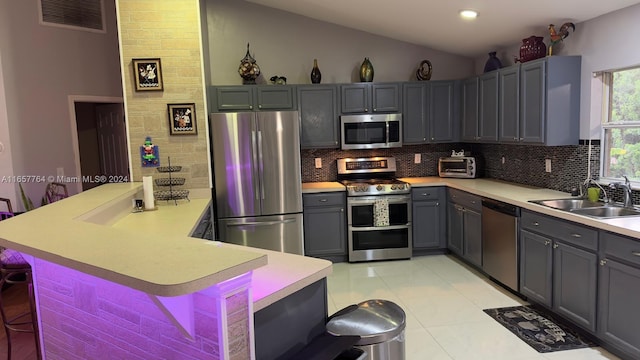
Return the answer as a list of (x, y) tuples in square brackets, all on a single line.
[(458, 167)]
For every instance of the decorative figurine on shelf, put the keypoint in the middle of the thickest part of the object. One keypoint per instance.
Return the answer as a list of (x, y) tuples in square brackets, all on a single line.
[(493, 63), (316, 75), (556, 37), (424, 70), (149, 154), (366, 71), (278, 80), (248, 70)]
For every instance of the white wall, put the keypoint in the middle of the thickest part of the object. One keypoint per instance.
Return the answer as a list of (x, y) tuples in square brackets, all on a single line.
[(606, 42), (285, 44), (41, 67)]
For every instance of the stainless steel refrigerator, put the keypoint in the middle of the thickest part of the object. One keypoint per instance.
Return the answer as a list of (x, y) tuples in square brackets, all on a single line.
[(258, 186)]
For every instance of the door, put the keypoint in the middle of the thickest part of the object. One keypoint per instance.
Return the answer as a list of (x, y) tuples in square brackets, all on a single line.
[(278, 144), (112, 140), (509, 100), (282, 233), (536, 267), (236, 175), (415, 113)]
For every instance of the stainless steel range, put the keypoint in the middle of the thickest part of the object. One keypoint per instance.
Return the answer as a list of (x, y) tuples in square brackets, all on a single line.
[(379, 209)]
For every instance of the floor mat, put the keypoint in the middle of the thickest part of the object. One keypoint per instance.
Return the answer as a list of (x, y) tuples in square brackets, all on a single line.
[(538, 329)]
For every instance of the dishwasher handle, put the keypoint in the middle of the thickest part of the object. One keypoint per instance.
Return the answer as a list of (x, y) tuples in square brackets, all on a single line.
[(501, 207)]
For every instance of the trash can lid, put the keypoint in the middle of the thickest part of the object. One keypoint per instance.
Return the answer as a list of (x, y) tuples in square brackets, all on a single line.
[(375, 321)]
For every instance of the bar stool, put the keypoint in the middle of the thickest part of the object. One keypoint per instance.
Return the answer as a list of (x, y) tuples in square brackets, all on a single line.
[(56, 191), (14, 269), (6, 214)]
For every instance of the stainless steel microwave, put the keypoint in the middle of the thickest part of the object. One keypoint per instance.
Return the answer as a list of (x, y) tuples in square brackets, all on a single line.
[(370, 131), (458, 167)]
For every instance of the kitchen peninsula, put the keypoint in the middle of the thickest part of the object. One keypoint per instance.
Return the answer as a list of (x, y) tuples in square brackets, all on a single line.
[(135, 284)]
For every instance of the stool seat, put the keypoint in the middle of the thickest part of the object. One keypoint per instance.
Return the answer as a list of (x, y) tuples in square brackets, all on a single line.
[(12, 260)]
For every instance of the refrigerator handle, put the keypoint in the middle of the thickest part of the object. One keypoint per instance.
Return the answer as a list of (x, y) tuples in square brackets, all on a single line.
[(262, 223), (254, 153), (261, 162)]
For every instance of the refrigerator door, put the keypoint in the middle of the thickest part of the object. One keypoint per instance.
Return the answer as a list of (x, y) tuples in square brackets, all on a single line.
[(279, 162), (282, 233), (237, 186)]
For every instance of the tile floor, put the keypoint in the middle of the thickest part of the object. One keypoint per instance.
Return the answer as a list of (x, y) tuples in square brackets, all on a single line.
[(443, 300)]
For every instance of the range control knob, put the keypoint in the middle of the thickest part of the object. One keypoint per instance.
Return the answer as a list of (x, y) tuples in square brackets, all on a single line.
[(379, 187), (393, 186)]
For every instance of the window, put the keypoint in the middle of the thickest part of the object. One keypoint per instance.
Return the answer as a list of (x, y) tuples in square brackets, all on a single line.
[(621, 125)]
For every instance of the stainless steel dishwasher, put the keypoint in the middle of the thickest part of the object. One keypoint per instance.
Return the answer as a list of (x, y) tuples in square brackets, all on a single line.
[(500, 242)]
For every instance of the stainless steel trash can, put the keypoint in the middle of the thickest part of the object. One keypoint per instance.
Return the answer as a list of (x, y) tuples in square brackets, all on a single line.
[(380, 325)]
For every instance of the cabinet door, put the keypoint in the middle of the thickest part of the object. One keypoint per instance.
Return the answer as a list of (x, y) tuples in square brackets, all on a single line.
[(618, 299), (428, 229), (233, 98), (278, 97), (574, 284), (509, 104), (470, 109), (385, 98), (488, 113), (472, 234), (536, 267), (442, 115), (319, 116), (415, 112), (355, 98), (454, 228), (325, 227), (532, 101)]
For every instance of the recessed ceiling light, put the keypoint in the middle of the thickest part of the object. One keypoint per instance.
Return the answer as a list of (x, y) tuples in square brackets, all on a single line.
[(468, 14)]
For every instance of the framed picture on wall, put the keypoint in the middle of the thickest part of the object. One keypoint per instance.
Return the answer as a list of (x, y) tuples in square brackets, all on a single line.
[(182, 119), (147, 74)]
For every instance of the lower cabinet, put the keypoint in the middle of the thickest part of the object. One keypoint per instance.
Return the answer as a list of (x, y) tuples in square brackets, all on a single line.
[(325, 225), (464, 225), (558, 267), (429, 219), (619, 294)]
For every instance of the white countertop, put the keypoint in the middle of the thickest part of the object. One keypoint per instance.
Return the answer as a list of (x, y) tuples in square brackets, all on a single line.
[(96, 233), (520, 195), (318, 187)]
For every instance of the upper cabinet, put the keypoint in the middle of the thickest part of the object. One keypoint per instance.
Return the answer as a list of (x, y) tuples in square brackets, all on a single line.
[(362, 98), (253, 98), (429, 112), (319, 116), (509, 99), (488, 107), (470, 109)]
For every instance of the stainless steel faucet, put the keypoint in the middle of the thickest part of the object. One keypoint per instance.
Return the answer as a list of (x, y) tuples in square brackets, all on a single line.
[(627, 198)]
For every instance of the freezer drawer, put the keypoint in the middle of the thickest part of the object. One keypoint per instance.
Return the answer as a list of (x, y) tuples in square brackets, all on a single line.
[(282, 233)]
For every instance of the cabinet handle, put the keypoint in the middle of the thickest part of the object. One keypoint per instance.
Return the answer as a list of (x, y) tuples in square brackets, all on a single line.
[(374, 110), (323, 200), (336, 143), (635, 253), (555, 246), (603, 262), (424, 139), (250, 107), (521, 139), (366, 110), (515, 138), (535, 223), (438, 204), (426, 194), (546, 242), (341, 209), (576, 235)]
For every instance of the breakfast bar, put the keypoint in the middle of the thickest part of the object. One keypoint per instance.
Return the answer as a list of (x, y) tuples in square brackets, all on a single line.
[(109, 281)]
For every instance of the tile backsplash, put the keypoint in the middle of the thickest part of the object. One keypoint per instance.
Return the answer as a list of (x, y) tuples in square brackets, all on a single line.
[(522, 164)]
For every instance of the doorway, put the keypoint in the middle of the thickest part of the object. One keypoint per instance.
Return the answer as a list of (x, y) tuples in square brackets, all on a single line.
[(101, 148)]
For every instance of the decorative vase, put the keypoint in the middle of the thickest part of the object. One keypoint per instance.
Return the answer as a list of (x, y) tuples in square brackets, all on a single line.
[(366, 71), (532, 48), (248, 70), (424, 71), (316, 76), (493, 63)]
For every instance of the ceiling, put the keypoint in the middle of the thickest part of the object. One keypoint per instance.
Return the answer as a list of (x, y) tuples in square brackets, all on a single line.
[(437, 25)]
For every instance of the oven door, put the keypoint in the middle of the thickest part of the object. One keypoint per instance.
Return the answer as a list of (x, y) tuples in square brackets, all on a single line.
[(369, 242)]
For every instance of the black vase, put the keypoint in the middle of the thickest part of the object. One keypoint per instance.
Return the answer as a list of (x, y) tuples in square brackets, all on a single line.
[(316, 76), (493, 63)]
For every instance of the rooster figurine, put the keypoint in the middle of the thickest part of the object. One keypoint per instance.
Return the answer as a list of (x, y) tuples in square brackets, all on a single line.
[(557, 36)]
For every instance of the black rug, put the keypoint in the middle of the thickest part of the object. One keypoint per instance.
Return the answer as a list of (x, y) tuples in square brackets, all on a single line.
[(541, 331)]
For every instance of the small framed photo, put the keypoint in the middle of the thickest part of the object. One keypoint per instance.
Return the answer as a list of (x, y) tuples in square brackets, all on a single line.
[(147, 74), (182, 119)]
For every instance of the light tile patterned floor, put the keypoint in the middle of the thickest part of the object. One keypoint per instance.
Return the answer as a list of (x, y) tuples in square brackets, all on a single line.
[(443, 300)]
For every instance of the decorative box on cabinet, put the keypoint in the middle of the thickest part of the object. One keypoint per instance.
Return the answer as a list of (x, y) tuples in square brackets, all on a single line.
[(361, 98), (558, 266), (318, 106), (429, 219), (325, 225), (464, 225), (253, 98)]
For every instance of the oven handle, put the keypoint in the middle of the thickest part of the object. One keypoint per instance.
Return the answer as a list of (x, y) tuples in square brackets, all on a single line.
[(364, 200), (377, 228)]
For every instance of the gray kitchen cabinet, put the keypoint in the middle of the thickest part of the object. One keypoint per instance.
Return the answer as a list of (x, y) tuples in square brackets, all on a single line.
[(429, 218), (464, 225), (509, 100), (619, 294), (252, 98), (415, 113), (488, 107), (470, 96), (428, 113), (558, 267), (361, 98), (443, 111), (325, 228), (318, 108)]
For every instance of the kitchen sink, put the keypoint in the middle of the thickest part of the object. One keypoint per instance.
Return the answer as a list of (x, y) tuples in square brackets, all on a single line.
[(569, 204), (607, 211)]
